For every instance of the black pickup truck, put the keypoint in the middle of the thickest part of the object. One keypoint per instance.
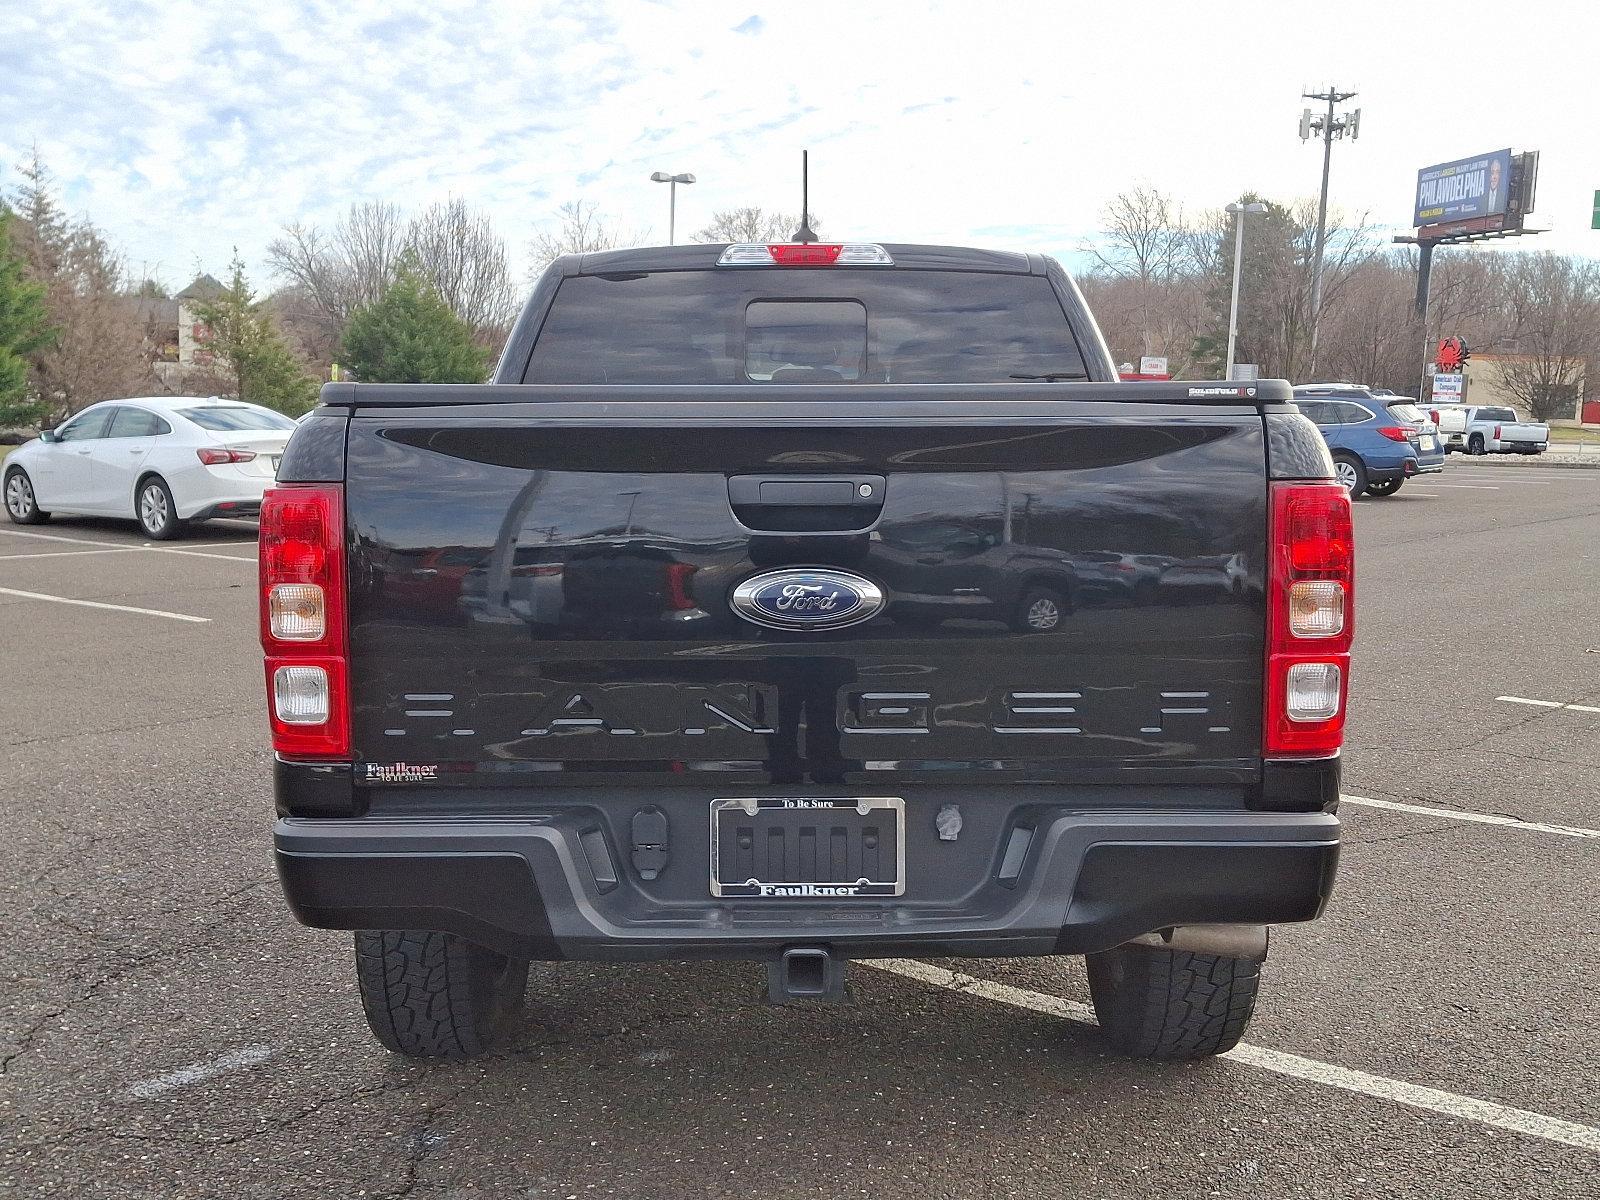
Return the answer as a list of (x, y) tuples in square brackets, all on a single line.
[(806, 603)]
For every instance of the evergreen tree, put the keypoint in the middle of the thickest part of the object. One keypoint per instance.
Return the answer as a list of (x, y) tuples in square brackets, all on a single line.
[(98, 351), (1269, 308), (24, 328), (261, 367), (411, 336)]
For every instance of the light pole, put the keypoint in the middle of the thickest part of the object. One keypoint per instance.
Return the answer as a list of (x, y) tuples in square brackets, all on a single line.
[(672, 204), (1239, 211)]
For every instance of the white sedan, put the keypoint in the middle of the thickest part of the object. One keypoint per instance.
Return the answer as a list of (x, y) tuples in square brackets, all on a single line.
[(160, 460)]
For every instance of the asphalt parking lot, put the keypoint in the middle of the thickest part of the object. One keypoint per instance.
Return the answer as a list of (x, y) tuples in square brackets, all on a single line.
[(166, 1029)]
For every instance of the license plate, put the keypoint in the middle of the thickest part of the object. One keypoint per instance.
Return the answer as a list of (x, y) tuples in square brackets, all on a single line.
[(805, 848), (1429, 443)]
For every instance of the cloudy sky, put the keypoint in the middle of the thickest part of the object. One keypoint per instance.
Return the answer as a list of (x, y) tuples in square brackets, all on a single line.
[(185, 128)]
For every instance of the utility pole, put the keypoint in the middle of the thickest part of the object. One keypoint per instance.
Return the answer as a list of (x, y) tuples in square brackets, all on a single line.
[(1327, 126)]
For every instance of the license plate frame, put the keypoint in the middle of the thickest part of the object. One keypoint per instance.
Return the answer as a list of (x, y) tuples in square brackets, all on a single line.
[(769, 810)]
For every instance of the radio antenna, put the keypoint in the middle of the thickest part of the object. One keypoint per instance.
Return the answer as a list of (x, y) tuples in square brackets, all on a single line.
[(804, 233)]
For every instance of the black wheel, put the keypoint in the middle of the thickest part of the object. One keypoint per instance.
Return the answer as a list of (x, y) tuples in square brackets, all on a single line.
[(1040, 610), (21, 504), (1170, 1004), (1387, 487), (1351, 472), (1475, 444), (154, 510), (433, 995)]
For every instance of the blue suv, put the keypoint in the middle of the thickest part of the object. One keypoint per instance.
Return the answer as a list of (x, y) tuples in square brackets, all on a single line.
[(1378, 442)]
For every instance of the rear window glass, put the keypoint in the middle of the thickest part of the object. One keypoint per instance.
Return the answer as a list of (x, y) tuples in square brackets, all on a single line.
[(228, 418), (1496, 414), (733, 326), (1406, 412), (138, 422)]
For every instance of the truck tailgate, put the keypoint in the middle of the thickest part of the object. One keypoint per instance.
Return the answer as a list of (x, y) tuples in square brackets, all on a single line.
[(540, 593)]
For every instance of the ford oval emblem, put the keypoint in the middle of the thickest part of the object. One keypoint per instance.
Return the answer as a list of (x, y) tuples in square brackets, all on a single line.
[(807, 598)]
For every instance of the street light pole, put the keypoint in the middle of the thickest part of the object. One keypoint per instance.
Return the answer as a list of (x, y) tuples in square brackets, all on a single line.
[(672, 202), (1238, 210)]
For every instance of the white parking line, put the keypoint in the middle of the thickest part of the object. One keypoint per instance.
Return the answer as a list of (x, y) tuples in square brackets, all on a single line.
[(50, 537), (1476, 817), (1477, 487), (1547, 703), (200, 554), (1294, 1066), (1502, 479), (199, 1072), (148, 612), (70, 553)]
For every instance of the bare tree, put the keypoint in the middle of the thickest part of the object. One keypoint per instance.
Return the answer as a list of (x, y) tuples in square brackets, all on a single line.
[(580, 229), (461, 255), (346, 269), (754, 225), (332, 275), (1142, 236), (1369, 335), (1553, 327), (1146, 290)]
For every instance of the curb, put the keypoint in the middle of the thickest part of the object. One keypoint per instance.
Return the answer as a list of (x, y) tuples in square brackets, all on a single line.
[(1539, 463)]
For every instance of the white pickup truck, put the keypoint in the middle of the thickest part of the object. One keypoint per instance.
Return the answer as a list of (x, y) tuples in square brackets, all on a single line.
[(1485, 430)]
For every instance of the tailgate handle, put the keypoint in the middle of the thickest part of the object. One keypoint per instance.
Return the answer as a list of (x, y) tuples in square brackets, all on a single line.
[(806, 503), (806, 491)]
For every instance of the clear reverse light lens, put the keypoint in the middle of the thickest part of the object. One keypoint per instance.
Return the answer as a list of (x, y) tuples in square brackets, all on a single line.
[(300, 695), (863, 254), (1313, 692), (296, 612), (1316, 608)]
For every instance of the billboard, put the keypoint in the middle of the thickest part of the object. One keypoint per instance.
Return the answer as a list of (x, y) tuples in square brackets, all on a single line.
[(1463, 189)]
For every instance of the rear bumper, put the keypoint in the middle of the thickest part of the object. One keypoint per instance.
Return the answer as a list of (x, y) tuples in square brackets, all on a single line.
[(228, 508), (547, 886)]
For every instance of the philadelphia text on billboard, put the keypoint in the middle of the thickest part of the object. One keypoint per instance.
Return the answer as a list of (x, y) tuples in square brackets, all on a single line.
[(1466, 188)]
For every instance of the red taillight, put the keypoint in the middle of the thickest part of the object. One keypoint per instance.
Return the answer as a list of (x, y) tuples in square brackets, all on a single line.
[(1310, 619), (1434, 416), (1395, 433), (1497, 433), (303, 620), (214, 458)]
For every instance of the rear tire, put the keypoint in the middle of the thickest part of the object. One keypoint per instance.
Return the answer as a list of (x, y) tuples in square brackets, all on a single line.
[(1475, 444), (434, 995), (22, 506), (1041, 610), (1351, 472), (1170, 1004), (154, 509), (1386, 488)]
